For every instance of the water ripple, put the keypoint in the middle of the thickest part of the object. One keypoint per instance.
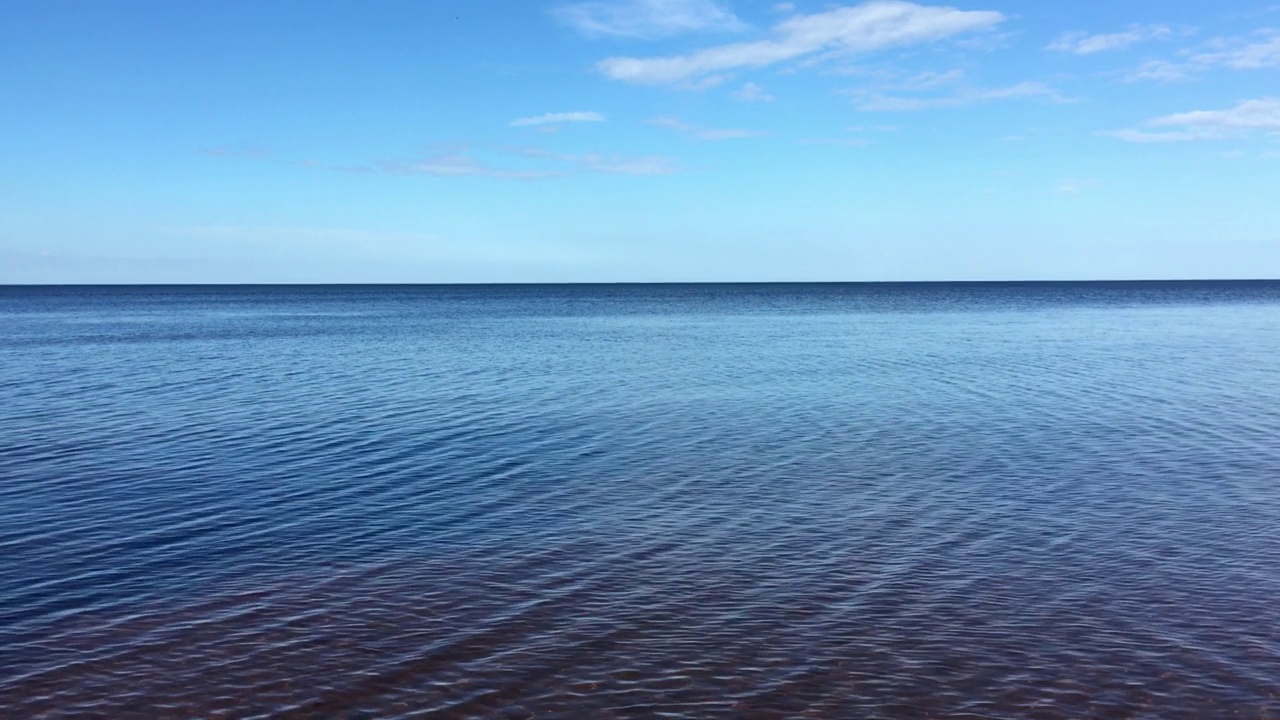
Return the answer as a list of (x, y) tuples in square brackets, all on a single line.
[(952, 501)]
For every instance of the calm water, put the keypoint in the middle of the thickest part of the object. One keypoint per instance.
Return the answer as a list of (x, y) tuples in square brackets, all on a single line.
[(886, 501)]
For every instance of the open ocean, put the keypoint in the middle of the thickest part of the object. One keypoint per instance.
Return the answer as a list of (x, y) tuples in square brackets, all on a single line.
[(1039, 500)]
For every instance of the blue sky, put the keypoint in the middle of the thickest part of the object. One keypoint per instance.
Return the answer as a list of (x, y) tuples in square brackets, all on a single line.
[(637, 140)]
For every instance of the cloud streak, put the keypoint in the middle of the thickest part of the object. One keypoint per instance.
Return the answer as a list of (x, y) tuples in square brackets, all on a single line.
[(927, 81), (751, 92), (276, 234), (558, 119), (456, 161), (1259, 53), (609, 165), (647, 19), (1242, 55), (452, 164), (867, 27), (1249, 115), (702, 133), (1158, 71), (1238, 122), (648, 165), (1083, 43), (967, 96)]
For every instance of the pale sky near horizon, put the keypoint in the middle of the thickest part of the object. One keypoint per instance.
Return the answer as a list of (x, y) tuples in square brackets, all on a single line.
[(637, 140)]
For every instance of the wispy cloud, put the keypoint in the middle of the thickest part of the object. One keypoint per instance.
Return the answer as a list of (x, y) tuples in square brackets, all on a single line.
[(1249, 115), (1240, 121), (610, 165), (1241, 54), (867, 27), (452, 164), (458, 160), (558, 119), (538, 164), (927, 80), (966, 96), (648, 19), (751, 92), (1158, 71), (1134, 135), (702, 133), (1261, 51), (648, 165), (1083, 43), (358, 245), (275, 234)]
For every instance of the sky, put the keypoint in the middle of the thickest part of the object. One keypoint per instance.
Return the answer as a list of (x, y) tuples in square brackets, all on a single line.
[(451, 141)]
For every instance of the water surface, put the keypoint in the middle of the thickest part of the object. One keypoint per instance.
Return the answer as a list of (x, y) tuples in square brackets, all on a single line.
[(835, 501)]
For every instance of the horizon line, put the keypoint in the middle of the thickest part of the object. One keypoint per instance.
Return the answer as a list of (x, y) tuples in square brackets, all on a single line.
[(639, 283)]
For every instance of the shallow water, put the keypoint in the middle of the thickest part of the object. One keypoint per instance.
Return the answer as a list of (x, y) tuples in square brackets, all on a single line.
[(836, 501)]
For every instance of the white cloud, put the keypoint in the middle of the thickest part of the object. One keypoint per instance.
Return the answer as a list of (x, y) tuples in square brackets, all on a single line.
[(611, 165), (1236, 122), (870, 26), (1242, 55), (452, 164), (1230, 53), (1021, 90), (751, 92), (649, 19), (702, 133), (558, 118), (1157, 71), (1248, 115), (1146, 136), (927, 80), (649, 165), (968, 96), (1082, 43)]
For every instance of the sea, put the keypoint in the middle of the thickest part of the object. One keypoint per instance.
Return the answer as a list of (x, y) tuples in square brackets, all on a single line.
[(899, 501)]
